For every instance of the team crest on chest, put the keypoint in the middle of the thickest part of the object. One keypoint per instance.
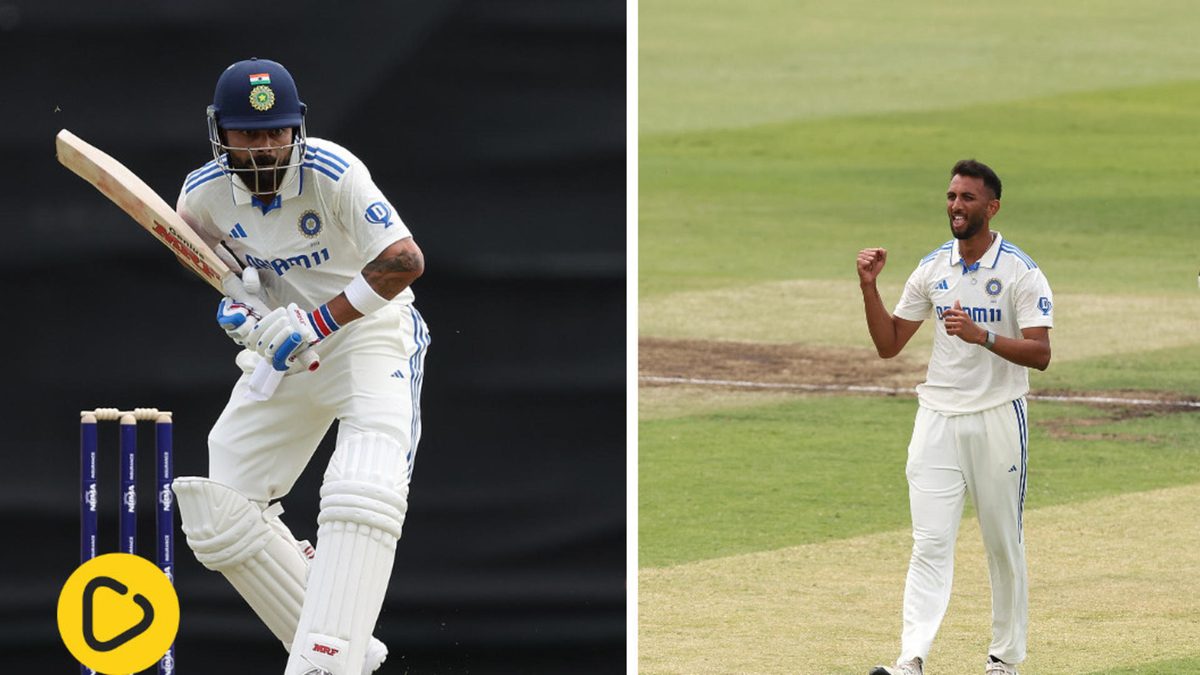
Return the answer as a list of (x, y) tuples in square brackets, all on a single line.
[(993, 287), (310, 224)]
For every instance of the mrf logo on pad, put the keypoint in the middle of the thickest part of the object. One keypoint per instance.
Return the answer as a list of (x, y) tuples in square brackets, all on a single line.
[(118, 613), (325, 649)]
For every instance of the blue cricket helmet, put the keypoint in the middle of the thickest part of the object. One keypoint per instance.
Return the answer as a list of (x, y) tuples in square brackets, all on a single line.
[(256, 94), (253, 95)]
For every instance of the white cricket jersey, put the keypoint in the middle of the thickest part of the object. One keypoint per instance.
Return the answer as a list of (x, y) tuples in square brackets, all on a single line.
[(317, 234), (1003, 292)]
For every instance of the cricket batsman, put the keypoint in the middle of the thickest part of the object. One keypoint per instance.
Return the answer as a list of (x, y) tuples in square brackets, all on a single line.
[(318, 240), (992, 311)]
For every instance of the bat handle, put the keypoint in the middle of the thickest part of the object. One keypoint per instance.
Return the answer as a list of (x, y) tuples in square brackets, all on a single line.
[(309, 360), (265, 378), (263, 381)]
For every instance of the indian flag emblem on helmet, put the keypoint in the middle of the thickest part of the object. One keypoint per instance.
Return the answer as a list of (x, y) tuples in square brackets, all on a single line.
[(262, 98), (260, 78)]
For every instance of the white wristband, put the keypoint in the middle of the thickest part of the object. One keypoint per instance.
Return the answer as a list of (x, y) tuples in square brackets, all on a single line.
[(362, 297)]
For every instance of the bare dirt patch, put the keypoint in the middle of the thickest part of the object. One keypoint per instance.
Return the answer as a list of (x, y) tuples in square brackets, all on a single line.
[(774, 363), (802, 365), (1084, 428)]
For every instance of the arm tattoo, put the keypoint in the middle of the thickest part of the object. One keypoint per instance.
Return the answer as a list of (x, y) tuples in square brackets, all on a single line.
[(404, 262), (388, 276)]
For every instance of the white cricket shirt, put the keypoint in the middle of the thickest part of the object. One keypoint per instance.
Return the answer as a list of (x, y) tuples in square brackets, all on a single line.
[(1004, 292), (318, 233)]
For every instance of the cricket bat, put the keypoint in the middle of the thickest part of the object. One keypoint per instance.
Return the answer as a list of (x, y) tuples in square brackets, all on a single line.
[(137, 199)]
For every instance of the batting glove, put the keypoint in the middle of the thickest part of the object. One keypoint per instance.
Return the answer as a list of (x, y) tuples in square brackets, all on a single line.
[(283, 335), (234, 317)]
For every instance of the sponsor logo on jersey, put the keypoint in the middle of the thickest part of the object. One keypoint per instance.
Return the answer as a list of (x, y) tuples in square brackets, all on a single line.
[(310, 224), (977, 314), (380, 214), (238, 232), (399, 374), (1045, 305), (993, 286), (941, 286), (281, 265), (262, 98)]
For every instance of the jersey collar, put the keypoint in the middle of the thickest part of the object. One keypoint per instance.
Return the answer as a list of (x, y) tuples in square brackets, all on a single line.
[(988, 260), (291, 188)]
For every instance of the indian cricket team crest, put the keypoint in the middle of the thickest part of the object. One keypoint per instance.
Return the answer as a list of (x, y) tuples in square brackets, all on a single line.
[(310, 224), (262, 98), (993, 287)]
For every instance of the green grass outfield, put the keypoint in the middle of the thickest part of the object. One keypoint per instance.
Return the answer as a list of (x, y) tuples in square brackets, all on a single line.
[(779, 137), (1099, 188), (820, 468)]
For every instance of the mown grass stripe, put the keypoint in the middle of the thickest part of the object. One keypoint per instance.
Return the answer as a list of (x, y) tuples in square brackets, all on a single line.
[(818, 468), (1112, 584), (908, 391)]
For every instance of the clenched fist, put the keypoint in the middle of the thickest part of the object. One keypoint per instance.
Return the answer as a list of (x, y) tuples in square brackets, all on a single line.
[(870, 264)]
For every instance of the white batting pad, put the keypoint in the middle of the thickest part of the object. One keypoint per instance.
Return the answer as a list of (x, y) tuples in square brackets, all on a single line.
[(255, 551), (363, 503)]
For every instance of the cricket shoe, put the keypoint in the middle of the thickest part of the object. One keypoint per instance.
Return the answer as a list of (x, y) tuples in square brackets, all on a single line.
[(909, 667), (995, 666)]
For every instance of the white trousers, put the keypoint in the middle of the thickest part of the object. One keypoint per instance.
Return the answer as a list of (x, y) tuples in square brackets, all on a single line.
[(985, 454), (370, 380)]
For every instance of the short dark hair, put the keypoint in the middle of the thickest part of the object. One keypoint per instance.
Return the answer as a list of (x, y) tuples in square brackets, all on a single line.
[(973, 169)]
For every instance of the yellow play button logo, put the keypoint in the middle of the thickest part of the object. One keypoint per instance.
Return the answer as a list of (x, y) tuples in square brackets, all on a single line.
[(118, 613)]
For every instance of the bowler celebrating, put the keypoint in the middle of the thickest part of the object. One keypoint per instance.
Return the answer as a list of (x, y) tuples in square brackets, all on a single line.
[(993, 311), (315, 236)]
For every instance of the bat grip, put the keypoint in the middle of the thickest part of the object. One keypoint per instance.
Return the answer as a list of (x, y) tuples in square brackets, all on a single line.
[(309, 359), (265, 378), (263, 381)]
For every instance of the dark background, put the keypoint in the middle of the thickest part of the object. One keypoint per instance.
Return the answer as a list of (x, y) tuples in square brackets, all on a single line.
[(497, 129)]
